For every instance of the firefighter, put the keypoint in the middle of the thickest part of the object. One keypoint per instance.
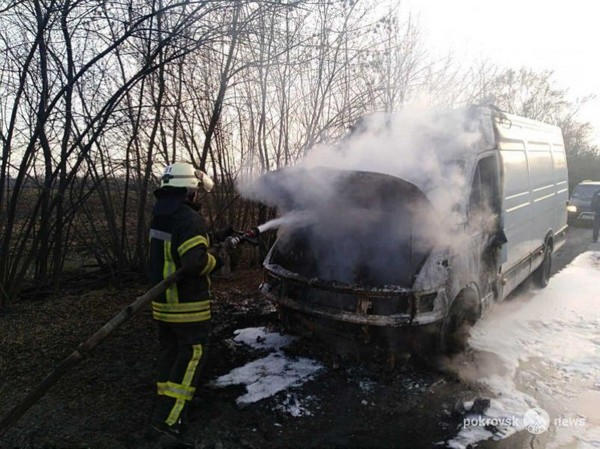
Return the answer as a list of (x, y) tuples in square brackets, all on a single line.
[(596, 211), (179, 239)]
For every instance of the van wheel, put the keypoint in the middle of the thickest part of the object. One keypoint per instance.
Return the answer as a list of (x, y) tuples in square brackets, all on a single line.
[(455, 330), (541, 276)]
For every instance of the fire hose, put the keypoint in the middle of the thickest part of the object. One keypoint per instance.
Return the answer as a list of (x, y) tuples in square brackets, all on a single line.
[(85, 348)]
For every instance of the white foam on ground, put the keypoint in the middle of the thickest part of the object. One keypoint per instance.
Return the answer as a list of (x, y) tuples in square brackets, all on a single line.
[(268, 375), (260, 338), (550, 341), (367, 385), (292, 405)]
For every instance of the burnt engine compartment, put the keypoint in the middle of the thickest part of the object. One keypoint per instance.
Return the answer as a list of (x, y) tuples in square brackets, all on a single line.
[(346, 274), (372, 230)]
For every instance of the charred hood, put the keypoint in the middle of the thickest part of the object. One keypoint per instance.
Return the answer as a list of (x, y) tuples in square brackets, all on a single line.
[(365, 229)]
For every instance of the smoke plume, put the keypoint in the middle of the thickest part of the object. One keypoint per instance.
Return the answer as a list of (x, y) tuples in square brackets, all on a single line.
[(375, 227)]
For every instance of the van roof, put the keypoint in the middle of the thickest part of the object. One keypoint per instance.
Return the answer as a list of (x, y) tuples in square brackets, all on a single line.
[(511, 128)]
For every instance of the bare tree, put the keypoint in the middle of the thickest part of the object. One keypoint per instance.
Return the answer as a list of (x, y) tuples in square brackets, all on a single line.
[(96, 96), (62, 98), (536, 95)]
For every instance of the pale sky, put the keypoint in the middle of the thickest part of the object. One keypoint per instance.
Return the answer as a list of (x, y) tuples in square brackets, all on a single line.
[(563, 36)]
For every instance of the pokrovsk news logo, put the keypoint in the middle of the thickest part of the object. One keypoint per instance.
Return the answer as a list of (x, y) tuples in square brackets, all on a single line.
[(535, 420)]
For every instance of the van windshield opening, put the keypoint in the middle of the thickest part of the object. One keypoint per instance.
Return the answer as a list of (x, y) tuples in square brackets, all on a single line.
[(376, 231)]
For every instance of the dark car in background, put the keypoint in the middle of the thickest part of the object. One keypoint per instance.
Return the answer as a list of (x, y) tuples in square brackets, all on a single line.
[(580, 204)]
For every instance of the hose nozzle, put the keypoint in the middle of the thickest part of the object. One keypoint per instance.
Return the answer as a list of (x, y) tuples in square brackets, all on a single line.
[(250, 236), (252, 233)]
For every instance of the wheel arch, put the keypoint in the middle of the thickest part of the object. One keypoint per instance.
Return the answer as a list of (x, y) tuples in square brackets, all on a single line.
[(470, 293)]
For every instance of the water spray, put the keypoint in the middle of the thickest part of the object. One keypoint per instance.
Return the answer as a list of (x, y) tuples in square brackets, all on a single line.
[(251, 236)]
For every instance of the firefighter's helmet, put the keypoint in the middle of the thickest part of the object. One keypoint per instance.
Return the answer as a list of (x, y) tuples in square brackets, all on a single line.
[(182, 174)]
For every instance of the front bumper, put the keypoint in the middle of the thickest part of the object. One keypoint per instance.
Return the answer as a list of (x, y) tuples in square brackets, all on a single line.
[(580, 213), (580, 218), (585, 216), (389, 308), (359, 334), (363, 319)]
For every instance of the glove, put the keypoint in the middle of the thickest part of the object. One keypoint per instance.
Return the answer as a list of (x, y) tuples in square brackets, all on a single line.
[(249, 236), (222, 234)]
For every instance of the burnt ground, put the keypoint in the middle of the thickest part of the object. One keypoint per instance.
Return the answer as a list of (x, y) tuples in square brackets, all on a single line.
[(104, 402)]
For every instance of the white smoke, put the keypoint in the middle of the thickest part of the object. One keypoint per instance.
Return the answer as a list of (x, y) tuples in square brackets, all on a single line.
[(427, 148), (418, 144)]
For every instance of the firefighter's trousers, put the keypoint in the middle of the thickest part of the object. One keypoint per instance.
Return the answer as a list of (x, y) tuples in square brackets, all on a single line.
[(182, 351)]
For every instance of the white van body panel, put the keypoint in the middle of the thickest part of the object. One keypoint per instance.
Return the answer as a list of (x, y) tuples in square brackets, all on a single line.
[(511, 210), (535, 192)]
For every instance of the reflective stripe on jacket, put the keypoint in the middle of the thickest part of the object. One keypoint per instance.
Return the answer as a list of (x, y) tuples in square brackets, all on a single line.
[(179, 238)]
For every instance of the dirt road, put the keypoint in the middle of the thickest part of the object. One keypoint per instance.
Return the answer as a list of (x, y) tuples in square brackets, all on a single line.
[(309, 399)]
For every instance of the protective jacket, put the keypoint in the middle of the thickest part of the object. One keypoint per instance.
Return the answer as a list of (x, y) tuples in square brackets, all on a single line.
[(179, 239)]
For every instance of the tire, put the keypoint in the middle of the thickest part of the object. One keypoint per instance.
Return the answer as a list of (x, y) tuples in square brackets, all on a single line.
[(455, 330), (541, 276)]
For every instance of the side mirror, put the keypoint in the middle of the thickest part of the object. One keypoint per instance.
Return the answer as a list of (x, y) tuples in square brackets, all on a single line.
[(499, 238)]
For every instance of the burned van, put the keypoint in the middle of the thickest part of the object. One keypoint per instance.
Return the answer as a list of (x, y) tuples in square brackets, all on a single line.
[(409, 264)]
